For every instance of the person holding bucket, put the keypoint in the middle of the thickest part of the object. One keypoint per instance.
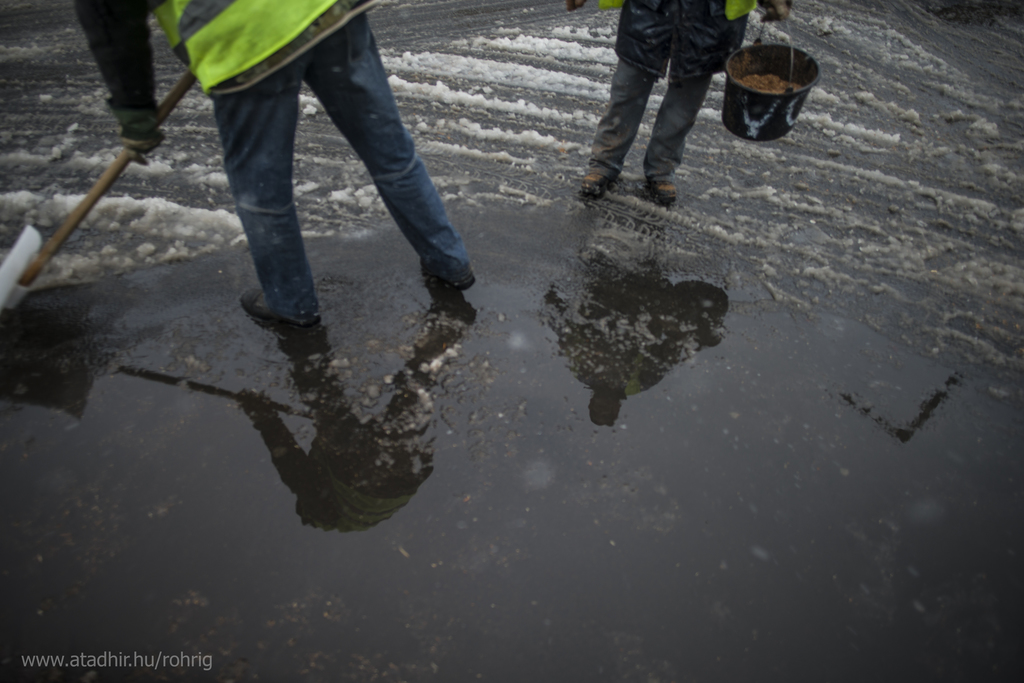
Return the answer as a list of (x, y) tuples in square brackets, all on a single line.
[(687, 40), (252, 57)]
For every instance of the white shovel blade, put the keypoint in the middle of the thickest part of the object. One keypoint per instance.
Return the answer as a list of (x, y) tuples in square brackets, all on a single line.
[(21, 255)]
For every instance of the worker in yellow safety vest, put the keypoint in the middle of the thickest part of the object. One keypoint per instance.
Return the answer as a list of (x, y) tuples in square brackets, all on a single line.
[(252, 57)]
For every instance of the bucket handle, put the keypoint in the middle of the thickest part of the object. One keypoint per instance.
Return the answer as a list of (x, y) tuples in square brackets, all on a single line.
[(789, 88), (792, 51)]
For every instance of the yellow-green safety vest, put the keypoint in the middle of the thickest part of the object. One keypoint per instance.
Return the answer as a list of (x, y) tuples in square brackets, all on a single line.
[(734, 9), (220, 39)]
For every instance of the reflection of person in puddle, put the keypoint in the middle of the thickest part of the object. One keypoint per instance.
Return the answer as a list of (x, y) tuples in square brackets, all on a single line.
[(360, 470), (625, 330)]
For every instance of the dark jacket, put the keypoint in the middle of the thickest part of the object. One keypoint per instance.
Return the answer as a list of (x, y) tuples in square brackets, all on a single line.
[(118, 34), (704, 38)]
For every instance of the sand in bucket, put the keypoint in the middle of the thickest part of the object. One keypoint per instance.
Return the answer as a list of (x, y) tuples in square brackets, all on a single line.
[(758, 104)]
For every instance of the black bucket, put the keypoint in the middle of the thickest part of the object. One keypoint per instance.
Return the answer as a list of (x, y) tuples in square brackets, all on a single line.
[(761, 116)]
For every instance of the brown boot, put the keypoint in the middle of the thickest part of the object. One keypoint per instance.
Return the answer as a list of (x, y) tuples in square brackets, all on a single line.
[(663, 191), (594, 185)]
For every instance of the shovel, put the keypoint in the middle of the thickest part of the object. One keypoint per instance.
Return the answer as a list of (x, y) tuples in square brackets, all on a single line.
[(22, 265)]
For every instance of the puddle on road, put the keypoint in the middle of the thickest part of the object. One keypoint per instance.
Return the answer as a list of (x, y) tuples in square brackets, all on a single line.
[(579, 470)]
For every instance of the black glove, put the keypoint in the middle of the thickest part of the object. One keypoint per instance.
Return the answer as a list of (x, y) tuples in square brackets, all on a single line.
[(775, 10), (139, 131)]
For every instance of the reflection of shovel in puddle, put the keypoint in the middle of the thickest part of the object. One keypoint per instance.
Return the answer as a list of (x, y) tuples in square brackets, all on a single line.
[(22, 265), (240, 397)]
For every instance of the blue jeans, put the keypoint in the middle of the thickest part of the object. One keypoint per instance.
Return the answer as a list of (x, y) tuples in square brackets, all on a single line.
[(631, 88), (257, 131)]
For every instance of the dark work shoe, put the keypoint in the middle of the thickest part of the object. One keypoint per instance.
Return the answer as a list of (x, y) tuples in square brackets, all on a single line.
[(663, 191), (256, 306), (464, 282), (594, 184)]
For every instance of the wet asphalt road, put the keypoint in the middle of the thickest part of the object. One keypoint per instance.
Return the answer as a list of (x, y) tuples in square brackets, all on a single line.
[(789, 497), (621, 456)]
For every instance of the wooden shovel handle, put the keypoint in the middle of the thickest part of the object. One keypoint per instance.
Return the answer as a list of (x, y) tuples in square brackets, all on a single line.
[(101, 187)]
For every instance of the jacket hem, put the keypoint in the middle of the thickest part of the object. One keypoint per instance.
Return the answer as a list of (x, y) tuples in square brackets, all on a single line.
[(321, 28)]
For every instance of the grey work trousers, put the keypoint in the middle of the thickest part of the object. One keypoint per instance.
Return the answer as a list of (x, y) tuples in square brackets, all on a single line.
[(631, 88)]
